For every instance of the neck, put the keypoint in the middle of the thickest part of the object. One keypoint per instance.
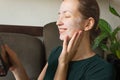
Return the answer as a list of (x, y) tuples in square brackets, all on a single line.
[(84, 50)]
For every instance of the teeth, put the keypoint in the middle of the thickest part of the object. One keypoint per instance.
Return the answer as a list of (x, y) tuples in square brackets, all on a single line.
[(63, 28)]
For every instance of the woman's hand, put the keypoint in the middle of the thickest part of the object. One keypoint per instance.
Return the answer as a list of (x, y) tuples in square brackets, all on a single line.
[(70, 48), (68, 52), (15, 65), (12, 57)]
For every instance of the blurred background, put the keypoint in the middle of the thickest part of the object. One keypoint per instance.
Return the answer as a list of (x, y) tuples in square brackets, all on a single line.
[(41, 12)]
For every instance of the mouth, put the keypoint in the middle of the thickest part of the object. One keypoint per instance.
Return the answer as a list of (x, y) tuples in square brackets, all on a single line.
[(61, 30)]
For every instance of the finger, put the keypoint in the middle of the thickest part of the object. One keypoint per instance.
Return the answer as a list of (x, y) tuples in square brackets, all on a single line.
[(65, 43), (71, 42), (11, 54), (78, 39), (63, 55), (2, 49), (14, 61), (10, 51), (3, 54)]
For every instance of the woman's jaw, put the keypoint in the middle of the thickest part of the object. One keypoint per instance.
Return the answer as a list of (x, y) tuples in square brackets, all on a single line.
[(63, 33)]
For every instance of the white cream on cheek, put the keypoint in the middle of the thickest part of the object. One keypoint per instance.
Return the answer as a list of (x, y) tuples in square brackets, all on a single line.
[(73, 26)]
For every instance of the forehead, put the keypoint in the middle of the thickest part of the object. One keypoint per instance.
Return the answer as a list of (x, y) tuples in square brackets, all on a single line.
[(69, 5)]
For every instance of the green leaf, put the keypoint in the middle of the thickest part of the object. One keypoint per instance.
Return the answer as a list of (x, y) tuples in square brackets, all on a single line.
[(114, 46), (99, 39), (113, 37), (115, 31), (113, 11), (118, 53), (104, 47), (104, 26)]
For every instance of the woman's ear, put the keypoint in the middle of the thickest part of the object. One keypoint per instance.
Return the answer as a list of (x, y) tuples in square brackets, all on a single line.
[(89, 24)]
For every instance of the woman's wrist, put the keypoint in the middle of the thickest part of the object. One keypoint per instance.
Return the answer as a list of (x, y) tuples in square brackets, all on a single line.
[(63, 64), (61, 72), (20, 73)]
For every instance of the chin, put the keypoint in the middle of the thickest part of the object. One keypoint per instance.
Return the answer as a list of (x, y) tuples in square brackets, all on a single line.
[(63, 37)]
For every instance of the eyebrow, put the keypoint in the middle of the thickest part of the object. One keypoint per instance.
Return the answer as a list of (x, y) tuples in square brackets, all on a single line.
[(65, 11)]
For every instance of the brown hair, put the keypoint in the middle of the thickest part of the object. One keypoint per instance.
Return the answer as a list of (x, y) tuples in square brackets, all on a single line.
[(90, 8)]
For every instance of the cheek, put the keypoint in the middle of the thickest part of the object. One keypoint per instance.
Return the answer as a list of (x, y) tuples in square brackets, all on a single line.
[(75, 23), (73, 27)]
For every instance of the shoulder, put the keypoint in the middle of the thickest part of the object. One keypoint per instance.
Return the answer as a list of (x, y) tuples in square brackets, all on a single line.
[(54, 54), (100, 67), (100, 64), (55, 51)]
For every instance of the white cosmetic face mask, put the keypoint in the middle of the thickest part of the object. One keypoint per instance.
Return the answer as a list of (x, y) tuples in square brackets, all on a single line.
[(74, 26)]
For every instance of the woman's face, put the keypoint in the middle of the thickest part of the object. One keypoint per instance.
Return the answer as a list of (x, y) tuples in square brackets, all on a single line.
[(70, 19)]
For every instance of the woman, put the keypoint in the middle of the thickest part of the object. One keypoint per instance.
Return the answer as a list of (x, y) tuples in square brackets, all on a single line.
[(75, 60)]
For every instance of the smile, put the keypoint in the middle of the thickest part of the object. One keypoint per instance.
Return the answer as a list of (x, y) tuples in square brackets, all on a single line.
[(61, 30)]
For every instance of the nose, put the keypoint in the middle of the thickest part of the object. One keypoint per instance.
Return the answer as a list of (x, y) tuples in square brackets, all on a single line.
[(59, 22)]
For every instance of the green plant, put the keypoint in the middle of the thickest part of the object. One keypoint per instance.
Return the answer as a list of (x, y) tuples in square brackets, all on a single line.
[(112, 44)]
